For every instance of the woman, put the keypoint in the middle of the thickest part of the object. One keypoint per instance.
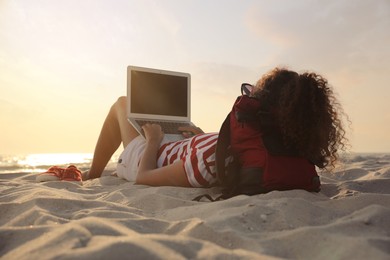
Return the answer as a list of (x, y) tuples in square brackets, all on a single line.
[(304, 111), (146, 160)]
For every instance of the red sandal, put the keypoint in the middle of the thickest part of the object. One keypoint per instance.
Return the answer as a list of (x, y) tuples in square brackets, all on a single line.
[(72, 174), (54, 173)]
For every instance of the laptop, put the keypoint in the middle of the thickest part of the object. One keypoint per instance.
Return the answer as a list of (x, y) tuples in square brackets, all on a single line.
[(160, 97)]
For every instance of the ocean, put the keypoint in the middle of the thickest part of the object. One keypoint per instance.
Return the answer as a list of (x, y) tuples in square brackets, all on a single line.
[(36, 163), (41, 162)]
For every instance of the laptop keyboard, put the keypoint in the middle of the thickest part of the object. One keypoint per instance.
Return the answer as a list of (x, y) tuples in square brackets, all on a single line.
[(167, 127)]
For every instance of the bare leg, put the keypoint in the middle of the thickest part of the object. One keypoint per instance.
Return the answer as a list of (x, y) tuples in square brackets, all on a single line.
[(116, 130)]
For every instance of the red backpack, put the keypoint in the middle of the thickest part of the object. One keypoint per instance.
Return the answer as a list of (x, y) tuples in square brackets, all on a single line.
[(251, 157)]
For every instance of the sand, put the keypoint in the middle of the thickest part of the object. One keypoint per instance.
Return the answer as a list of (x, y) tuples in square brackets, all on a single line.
[(109, 218)]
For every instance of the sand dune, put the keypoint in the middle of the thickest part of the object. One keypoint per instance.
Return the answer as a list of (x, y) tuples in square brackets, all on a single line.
[(109, 218)]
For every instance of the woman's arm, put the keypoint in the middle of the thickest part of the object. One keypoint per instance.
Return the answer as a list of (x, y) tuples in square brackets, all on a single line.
[(148, 173)]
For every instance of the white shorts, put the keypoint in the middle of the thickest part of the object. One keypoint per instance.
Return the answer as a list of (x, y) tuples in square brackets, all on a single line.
[(129, 159)]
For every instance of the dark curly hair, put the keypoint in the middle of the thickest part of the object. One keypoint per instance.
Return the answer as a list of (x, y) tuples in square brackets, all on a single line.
[(307, 114)]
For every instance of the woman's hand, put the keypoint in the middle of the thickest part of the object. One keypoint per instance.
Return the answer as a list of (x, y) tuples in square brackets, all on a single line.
[(188, 131), (153, 133)]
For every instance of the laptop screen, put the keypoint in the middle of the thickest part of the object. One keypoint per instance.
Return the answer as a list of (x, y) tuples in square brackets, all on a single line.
[(158, 94)]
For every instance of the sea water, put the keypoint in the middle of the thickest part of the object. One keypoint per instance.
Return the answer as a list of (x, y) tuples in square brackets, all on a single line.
[(41, 162)]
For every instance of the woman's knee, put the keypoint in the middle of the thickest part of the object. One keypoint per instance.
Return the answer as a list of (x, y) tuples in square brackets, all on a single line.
[(120, 104), (122, 101), (119, 107)]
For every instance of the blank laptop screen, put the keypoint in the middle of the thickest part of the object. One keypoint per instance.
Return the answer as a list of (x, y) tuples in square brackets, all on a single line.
[(158, 94)]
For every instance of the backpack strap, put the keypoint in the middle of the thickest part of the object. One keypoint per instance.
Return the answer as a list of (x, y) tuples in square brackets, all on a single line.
[(227, 176), (207, 196), (222, 150)]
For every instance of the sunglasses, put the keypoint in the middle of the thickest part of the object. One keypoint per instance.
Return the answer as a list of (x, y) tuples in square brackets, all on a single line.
[(247, 89)]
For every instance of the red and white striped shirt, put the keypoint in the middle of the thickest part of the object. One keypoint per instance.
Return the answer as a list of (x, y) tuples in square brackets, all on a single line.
[(198, 156)]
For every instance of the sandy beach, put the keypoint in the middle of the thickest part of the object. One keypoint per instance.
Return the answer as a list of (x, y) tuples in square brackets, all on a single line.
[(109, 218)]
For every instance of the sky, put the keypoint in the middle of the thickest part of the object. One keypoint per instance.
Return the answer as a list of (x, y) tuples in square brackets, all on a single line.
[(63, 63)]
